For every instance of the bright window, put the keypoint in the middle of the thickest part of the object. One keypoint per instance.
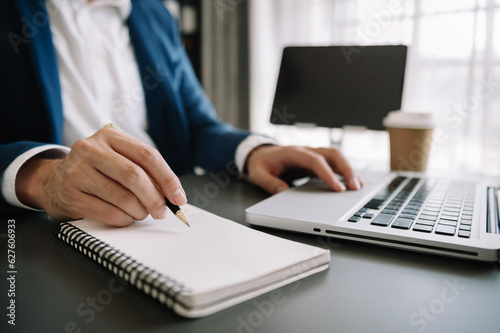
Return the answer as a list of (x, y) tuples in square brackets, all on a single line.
[(453, 67)]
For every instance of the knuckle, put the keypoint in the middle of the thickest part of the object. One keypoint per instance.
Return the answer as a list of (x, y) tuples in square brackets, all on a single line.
[(106, 131), (126, 199), (171, 181), (296, 148), (317, 158), (117, 218), (132, 173), (149, 154), (158, 203), (141, 215), (82, 147)]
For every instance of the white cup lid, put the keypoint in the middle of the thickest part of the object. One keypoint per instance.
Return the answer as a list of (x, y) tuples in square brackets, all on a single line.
[(415, 120)]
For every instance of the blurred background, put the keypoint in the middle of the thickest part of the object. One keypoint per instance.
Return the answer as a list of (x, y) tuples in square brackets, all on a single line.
[(453, 66)]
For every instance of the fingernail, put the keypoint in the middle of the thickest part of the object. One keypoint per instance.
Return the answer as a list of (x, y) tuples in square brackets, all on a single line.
[(162, 215), (355, 183), (342, 186), (281, 189), (180, 197)]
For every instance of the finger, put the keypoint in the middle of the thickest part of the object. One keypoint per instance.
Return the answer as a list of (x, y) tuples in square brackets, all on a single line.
[(340, 165), (125, 172), (318, 164), (99, 210), (270, 183), (153, 163), (114, 193)]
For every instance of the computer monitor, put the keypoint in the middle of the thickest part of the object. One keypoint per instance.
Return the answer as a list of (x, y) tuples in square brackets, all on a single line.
[(337, 86)]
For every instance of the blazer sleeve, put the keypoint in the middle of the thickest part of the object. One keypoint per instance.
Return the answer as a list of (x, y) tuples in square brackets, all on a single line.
[(8, 153), (214, 142)]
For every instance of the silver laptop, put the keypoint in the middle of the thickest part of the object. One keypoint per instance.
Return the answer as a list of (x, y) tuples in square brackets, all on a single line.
[(451, 217)]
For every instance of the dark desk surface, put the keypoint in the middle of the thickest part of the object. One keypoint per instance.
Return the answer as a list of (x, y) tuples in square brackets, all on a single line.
[(366, 289)]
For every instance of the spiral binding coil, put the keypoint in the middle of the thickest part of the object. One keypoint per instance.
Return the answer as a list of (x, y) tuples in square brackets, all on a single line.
[(159, 286)]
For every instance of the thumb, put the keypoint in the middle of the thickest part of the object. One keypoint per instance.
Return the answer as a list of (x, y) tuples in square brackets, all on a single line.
[(269, 182)]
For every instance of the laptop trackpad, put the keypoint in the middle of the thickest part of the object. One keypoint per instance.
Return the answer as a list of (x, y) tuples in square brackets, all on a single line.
[(315, 202)]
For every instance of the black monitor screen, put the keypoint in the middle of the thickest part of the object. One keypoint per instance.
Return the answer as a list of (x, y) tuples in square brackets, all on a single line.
[(335, 86)]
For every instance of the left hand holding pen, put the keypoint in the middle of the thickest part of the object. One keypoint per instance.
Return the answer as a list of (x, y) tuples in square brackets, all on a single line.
[(268, 165)]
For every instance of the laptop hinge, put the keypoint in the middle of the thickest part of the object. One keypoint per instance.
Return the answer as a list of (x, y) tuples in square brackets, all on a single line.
[(493, 225)]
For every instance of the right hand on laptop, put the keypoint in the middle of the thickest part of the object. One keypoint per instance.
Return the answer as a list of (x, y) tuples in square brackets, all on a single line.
[(104, 177), (268, 166)]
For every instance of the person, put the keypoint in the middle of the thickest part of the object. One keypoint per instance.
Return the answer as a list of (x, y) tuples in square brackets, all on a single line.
[(70, 66)]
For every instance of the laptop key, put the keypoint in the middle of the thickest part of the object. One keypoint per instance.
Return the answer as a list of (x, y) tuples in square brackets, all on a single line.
[(422, 228), (383, 219), (368, 216), (445, 230), (464, 233), (402, 223), (426, 222), (373, 205), (448, 222), (449, 218), (427, 213), (408, 216), (354, 218), (428, 217)]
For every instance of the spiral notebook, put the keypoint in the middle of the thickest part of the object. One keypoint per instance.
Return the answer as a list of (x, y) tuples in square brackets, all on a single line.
[(195, 271)]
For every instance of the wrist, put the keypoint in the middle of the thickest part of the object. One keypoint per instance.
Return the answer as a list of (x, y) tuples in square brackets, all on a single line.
[(31, 179), (251, 155)]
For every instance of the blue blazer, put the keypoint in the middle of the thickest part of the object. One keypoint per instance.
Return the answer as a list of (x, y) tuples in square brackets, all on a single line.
[(182, 121)]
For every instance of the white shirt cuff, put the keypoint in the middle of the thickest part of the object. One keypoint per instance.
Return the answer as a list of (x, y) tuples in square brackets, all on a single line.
[(10, 174), (247, 145)]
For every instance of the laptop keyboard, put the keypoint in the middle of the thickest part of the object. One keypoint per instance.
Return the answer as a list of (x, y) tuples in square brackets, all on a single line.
[(426, 205)]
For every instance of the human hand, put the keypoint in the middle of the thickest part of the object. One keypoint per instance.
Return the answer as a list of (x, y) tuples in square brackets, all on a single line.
[(104, 177), (268, 166)]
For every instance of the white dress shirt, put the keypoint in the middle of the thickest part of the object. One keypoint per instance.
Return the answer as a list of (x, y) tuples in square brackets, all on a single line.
[(100, 81)]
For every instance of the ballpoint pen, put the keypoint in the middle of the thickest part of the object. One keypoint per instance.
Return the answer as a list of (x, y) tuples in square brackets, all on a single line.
[(174, 208), (177, 212)]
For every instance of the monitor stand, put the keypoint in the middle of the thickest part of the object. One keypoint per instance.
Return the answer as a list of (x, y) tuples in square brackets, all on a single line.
[(337, 135)]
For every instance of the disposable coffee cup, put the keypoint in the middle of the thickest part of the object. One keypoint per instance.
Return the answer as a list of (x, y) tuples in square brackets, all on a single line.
[(410, 137)]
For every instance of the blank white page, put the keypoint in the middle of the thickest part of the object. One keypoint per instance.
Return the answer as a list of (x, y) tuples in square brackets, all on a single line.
[(211, 256)]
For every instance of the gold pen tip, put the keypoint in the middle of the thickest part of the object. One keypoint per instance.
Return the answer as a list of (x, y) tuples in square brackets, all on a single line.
[(183, 218)]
